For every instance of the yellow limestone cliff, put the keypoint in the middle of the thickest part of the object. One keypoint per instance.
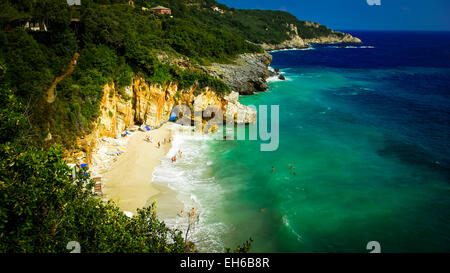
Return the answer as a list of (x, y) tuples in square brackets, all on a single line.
[(152, 104)]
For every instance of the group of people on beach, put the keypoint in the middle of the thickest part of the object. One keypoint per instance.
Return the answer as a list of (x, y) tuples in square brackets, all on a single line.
[(165, 141)]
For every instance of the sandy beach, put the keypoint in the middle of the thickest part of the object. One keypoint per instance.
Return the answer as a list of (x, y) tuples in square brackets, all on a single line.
[(128, 182)]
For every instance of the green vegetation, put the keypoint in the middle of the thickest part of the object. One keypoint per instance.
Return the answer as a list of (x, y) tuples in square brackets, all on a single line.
[(41, 207)]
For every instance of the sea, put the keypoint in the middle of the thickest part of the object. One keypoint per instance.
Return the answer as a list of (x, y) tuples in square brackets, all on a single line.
[(363, 155)]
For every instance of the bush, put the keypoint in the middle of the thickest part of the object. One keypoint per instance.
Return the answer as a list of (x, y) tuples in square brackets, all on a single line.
[(42, 209)]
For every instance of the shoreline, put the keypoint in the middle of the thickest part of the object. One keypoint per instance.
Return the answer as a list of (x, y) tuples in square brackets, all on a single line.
[(129, 180), (169, 200)]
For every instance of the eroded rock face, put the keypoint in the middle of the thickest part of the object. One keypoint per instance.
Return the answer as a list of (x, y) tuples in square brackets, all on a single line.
[(152, 105), (247, 75)]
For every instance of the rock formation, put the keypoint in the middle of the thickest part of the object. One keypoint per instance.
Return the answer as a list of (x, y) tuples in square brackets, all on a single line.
[(247, 75)]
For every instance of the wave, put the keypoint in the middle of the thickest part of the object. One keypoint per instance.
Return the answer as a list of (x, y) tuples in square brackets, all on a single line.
[(191, 177)]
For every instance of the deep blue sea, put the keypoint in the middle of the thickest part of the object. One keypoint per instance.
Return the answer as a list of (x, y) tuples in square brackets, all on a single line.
[(366, 128)]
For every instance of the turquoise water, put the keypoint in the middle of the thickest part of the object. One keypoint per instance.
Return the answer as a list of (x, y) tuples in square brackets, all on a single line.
[(348, 189), (367, 131)]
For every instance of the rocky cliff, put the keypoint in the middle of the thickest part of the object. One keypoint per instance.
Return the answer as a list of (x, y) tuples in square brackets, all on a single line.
[(336, 37), (247, 75), (296, 41)]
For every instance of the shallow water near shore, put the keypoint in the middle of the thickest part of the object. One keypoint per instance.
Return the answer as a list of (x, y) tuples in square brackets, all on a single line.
[(367, 130)]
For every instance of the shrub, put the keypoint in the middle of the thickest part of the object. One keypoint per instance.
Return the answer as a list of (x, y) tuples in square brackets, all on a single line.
[(42, 209)]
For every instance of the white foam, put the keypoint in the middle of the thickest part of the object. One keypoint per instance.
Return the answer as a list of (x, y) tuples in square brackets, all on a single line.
[(275, 79), (193, 180)]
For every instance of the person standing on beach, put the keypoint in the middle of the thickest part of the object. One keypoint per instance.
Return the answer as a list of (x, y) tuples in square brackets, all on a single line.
[(159, 144), (180, 154)]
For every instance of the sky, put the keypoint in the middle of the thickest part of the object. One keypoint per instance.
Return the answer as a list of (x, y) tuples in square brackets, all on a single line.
[(359, 15)]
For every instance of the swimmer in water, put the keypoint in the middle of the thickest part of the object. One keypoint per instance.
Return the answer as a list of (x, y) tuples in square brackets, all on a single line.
[(273, 169)]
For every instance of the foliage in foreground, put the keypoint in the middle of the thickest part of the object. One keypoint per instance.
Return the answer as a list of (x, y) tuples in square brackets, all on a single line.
[(245, 248), (42, 209)]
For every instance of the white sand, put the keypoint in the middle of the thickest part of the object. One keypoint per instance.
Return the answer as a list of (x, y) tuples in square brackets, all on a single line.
[(128, 182)]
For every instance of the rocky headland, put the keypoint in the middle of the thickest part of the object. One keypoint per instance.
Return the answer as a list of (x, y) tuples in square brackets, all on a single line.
[(296, 41)]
